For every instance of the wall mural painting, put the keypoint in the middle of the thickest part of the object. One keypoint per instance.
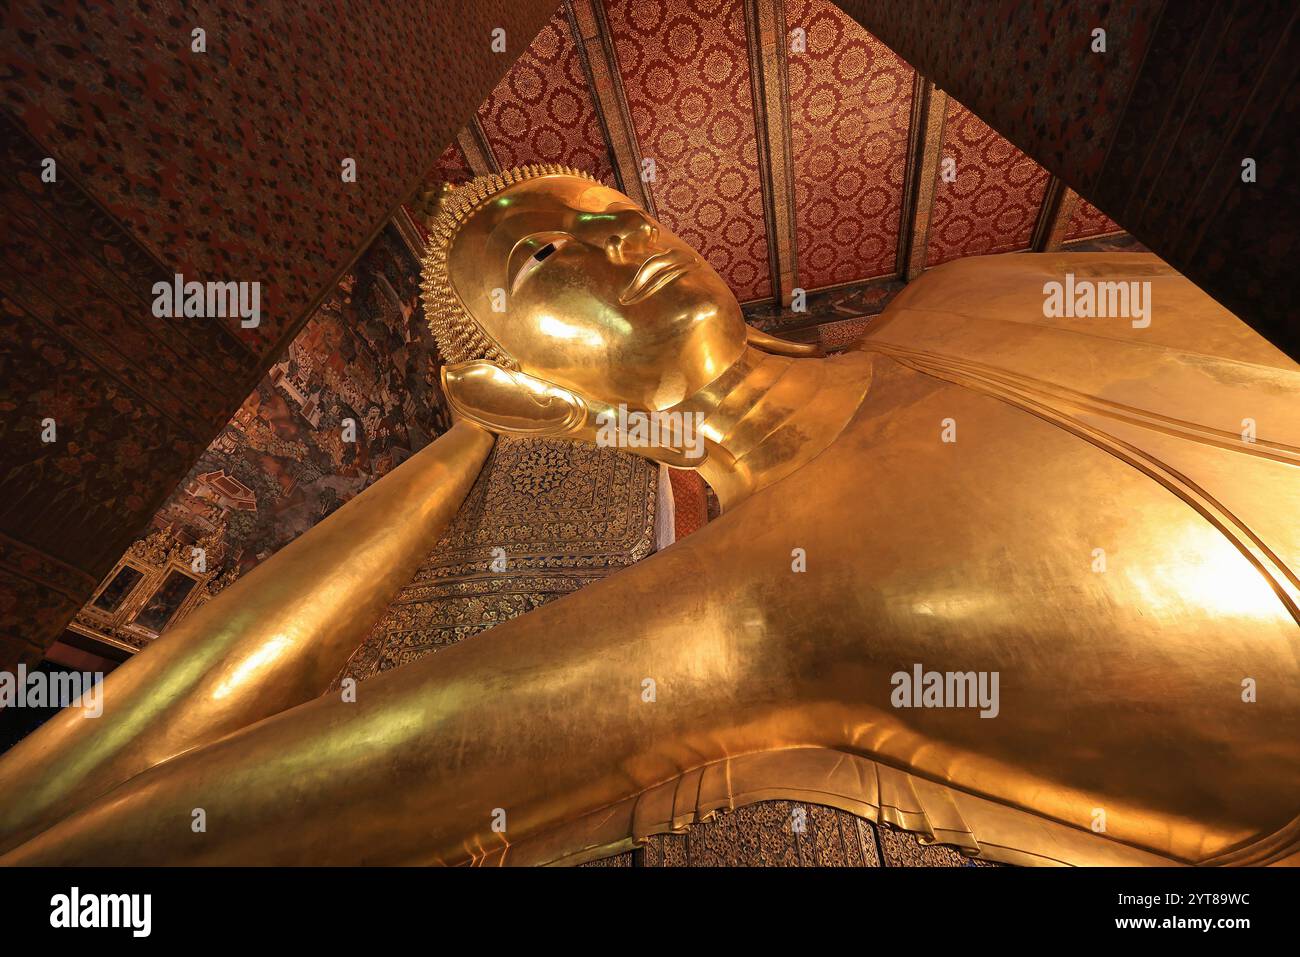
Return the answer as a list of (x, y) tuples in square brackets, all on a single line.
[(284, 461)]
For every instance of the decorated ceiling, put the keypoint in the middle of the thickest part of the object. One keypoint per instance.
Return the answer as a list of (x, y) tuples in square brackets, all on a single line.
[(802, 153)]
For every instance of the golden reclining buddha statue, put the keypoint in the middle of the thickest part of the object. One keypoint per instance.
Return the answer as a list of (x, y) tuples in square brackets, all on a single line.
[(1101, 517)]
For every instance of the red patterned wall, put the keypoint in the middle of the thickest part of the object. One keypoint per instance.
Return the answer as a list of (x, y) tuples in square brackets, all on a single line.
[(994, 202), (222, 163), (541, 112), (685, 68), (690, 504), (850, 106), (1088, 220), (451, 167)]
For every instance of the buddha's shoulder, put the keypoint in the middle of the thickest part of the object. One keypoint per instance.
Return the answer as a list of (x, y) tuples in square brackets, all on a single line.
[(1216, 439), (1175, 359), (983, 305)]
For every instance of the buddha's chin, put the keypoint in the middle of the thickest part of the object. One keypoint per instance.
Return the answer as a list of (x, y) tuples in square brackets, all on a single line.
[(690, 369), (692, 308)]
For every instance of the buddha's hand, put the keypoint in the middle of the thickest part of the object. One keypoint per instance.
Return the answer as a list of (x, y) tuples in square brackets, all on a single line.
[(509, 402)]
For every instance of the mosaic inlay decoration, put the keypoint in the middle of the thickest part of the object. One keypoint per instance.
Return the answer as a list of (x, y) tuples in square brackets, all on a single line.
[(563, 514)]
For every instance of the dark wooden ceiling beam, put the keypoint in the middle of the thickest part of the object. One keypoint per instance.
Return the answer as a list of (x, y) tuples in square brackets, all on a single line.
[(770, 83), (474, 145), (925, 143), (591, 30), (1054, 215)]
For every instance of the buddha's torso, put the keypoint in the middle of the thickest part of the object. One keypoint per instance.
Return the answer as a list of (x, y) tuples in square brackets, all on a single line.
[(1120, 603), (1070, 508)]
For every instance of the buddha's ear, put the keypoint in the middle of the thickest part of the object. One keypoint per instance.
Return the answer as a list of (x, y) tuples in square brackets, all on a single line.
[(514, 403)]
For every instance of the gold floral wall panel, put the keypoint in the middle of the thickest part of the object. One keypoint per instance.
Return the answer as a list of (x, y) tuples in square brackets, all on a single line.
[(850, 107), (542, 111), (993, 203), (685, 69), (545, 518)]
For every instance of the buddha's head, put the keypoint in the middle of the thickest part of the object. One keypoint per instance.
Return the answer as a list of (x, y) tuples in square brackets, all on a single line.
[(555, 279)]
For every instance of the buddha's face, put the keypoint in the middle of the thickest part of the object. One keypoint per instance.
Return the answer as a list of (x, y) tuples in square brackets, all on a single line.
[(585, 290)]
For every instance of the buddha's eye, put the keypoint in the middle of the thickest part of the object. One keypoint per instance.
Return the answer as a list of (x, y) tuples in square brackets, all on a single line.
[(536, 259)]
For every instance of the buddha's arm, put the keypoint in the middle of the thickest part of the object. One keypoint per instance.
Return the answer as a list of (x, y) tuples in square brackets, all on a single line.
[(544, 718), (274, 639)]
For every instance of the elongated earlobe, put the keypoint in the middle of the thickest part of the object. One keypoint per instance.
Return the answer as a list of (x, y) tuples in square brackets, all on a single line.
[(515, 403)]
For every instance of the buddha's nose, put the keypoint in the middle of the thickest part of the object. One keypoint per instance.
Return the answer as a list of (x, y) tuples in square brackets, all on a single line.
[(633, 231)]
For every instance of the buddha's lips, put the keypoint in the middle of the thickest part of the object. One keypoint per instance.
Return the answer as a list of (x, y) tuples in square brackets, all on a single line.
[(655, 273)]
